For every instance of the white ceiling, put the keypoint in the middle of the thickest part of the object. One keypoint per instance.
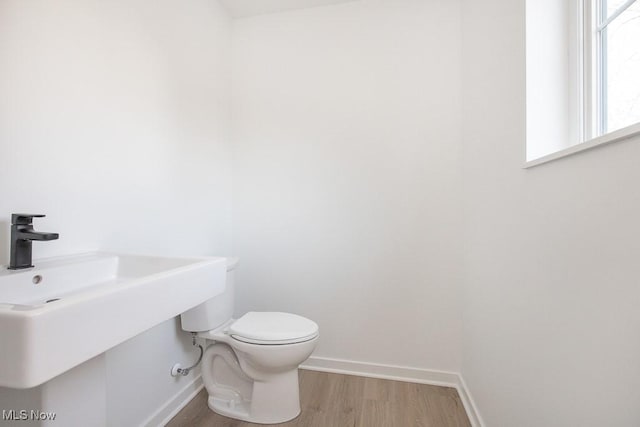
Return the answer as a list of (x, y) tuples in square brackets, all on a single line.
[(244, 8)]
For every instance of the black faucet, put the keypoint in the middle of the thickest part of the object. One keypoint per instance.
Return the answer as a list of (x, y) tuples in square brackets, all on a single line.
[(22, 234)]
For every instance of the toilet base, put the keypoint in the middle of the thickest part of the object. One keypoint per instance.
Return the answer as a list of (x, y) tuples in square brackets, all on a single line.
[(273, 401)]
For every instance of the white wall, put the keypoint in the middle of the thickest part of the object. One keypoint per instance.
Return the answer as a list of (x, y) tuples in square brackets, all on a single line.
[(551, 282), (347, 192), (549, 113), (244, 8), (114, 121)]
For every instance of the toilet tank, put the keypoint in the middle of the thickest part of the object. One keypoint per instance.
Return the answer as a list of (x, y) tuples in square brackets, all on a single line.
[(216, 311)]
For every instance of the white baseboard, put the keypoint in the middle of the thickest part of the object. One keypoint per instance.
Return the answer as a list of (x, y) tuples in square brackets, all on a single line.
[(169, 410), (469, 403), (340, 366), (399, 373), (386, 372)]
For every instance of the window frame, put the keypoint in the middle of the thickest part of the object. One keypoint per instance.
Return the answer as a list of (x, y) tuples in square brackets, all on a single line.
[(595, 24), (588, 109)]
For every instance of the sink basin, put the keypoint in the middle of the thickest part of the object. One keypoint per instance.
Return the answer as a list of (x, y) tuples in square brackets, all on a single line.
[(67, 310)]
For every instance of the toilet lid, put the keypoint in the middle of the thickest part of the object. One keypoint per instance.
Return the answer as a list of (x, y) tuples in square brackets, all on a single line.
[(273, 328)]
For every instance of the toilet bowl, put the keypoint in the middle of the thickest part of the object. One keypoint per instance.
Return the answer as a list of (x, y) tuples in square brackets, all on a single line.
[(250, 367)]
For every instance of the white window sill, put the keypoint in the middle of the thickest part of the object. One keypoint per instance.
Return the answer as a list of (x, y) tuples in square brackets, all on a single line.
[(619, 135)]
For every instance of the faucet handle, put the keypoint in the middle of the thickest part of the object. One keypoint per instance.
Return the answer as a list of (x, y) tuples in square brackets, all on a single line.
[(24, 219)]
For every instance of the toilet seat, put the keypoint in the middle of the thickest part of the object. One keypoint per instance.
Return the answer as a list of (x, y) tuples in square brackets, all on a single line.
[(272, 328)]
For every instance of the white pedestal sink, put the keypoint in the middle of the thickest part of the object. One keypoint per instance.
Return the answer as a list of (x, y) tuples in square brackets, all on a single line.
[(68, 310)]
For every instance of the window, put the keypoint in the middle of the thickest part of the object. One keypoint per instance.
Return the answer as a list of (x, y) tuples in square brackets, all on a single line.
[(583, 75), (612, 67)]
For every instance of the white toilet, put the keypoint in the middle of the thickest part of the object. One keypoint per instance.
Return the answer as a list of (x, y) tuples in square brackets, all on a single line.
[(251, 369)]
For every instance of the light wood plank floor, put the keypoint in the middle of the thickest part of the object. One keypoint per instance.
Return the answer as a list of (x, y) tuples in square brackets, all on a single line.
[(332, 400)]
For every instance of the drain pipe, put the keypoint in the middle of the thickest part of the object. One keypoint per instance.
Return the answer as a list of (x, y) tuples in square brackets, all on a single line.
[(177, 369)]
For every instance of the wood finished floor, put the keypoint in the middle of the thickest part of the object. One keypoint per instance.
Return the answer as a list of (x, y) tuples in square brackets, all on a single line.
[(333, 400)]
